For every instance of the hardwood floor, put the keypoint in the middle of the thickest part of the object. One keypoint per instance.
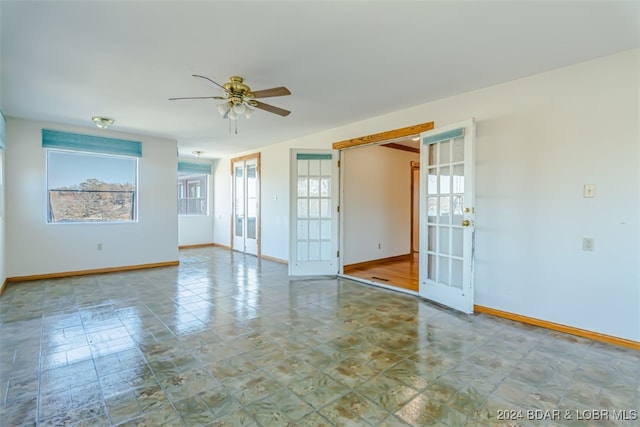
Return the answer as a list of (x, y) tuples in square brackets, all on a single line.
[(399, 272)]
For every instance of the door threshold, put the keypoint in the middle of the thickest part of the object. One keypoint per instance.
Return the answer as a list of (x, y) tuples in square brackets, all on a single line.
[(379, 285), (312, 277), (239, 252)]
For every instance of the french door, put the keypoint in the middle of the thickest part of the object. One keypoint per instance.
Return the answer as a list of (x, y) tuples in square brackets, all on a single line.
[(246, 205), (313, 236), (447, 215)]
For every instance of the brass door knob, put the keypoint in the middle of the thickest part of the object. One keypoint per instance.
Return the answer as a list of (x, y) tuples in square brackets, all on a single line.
[(466, 223)]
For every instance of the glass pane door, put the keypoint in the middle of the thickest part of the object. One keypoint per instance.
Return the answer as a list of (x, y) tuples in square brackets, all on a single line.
[(447, 216), (252, 199), (251, 207), (313, 213), (246, 205), (238, 213), (445, 199)]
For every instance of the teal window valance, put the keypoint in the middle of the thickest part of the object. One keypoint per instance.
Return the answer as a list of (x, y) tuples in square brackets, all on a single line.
[(443, 136), (90, 143), (190, 167), (311, 156)]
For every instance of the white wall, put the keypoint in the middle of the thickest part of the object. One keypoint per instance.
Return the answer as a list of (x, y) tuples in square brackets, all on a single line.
[(539, 140), (274, 182), (221, 174), (197, 229), (36, 247), (377, 203)]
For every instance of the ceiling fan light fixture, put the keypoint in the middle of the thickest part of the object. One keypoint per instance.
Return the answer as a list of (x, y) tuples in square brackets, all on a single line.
[(232, 114), (239, 108), (102, 122), (223, 108), (248, 111)]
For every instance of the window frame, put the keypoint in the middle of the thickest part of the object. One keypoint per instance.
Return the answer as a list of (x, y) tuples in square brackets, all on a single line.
[(184, 181), (73, 152)]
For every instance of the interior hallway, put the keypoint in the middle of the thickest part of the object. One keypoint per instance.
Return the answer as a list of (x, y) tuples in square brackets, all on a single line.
[(224, 339)]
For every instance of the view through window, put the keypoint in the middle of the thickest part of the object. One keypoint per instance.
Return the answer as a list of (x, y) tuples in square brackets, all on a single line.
[(87, 187), (192, 194)]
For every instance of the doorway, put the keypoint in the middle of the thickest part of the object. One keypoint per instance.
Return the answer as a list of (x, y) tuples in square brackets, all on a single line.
[(245, 227), (446, 217), (380, 193)]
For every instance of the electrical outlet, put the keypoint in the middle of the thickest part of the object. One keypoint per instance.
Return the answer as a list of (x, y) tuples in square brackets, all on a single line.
[(587, 244), (589, 190), (99, 246)]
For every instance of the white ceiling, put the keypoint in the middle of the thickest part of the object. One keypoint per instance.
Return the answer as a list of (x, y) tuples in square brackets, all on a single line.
[(65, 61)]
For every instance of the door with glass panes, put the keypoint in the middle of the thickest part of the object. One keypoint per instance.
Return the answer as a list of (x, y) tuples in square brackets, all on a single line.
[(314, 213), (447, 215), (246, 205)]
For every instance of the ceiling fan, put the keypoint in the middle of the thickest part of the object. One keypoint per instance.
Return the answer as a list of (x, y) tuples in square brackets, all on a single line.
[(239, 99)]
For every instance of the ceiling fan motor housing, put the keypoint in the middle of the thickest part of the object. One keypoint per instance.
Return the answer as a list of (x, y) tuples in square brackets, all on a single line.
[(237, 89)]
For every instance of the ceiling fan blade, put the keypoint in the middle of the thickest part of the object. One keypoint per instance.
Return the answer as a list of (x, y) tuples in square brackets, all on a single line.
[(198, 97), (271, 108), (207, 78), (274, 91)]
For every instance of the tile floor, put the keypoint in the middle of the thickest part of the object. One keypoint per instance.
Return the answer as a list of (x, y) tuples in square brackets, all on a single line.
[(226, 340)]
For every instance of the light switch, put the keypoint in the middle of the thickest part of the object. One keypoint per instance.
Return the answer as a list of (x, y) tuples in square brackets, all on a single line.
[(587, 244), (589, 190)]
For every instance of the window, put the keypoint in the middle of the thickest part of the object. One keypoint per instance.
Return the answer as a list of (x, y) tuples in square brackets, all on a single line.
[(87, 187), (192, 194), (90, 178)]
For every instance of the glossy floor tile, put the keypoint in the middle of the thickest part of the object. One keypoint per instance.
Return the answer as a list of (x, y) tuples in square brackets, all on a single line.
[(226, 340)]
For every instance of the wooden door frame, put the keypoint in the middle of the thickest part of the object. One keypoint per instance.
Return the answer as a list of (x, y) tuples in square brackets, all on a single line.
[(383, 136), (244, 158), (415, 166)]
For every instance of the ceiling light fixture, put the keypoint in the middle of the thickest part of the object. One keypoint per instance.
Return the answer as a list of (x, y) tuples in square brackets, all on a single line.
[(234, 108), (102, 122)]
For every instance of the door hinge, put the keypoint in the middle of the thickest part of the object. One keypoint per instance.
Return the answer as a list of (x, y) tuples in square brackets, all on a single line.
[(338, 254), (338, 208), (338, 163)]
